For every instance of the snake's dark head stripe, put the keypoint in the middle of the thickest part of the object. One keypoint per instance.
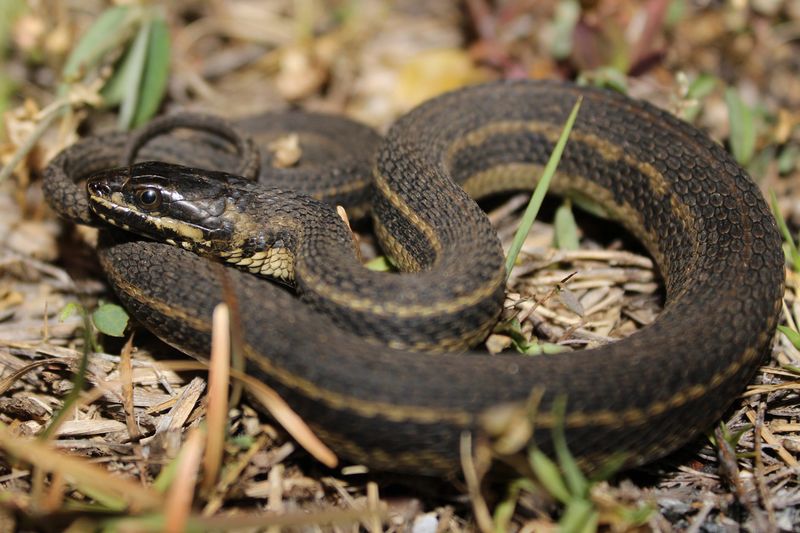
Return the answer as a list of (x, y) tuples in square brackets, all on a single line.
[(164, 201)]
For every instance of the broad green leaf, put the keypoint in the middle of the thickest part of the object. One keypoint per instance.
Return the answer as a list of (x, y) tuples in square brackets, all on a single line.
[(549, 475), (742, 127), (110, 28), (133, 76), (549, 348), (590, 206), (156, 73), (110, 319), (566, 229)]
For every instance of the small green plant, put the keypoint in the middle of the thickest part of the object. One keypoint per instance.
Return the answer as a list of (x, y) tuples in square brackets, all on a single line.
[(565, 482), (136, 33), (519, 341), (139, 78), (111, 322), (108, 319), (731, 438)]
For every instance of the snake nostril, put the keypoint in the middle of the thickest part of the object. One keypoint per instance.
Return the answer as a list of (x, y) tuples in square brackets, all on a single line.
[(99, 188)]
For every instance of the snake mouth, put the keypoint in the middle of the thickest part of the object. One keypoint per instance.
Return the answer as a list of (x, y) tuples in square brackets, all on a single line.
[(106, 199)]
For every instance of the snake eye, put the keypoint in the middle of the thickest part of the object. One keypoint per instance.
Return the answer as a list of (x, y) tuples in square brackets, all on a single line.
[(149, 198)]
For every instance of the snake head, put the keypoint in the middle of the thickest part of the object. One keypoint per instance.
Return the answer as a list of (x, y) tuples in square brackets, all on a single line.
[(171, 203)]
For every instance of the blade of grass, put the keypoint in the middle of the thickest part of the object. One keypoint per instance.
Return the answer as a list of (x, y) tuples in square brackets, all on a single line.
[(133, 80), (217, 410), (33, 138), (548, 474), (742, 127), (180, 495), (541, 188), (794, 255), (156, 72), (792, 335), (566, 229), (111, 28), (576, 481), (116, 492)]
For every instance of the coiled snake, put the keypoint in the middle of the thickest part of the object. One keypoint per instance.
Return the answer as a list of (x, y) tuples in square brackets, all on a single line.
[(378, 400)]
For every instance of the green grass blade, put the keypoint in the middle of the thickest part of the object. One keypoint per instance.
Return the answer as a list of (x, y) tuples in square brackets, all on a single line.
[(792, 335), (576, 481), (111, 28), (548, 475), (792, 253), (541, 188), (565, 227), (156, 72), (133, 79), (742, 126), (579, 517)]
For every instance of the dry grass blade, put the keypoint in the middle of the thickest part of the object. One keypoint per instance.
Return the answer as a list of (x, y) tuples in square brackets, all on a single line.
[(186, 402), (231, 475), (775, 442), (277, 407), (760, 472), (78, 472), (482, 515), (12, 378), (287, 520), (275, 501), (126, 379), (373, 505), (217, 410), (291, 422), (178, 504)]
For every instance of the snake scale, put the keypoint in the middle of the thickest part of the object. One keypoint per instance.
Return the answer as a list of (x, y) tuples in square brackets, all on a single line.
[(379, 400)]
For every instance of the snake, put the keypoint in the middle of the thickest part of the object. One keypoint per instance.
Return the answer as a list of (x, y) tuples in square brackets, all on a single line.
[(381, 364)]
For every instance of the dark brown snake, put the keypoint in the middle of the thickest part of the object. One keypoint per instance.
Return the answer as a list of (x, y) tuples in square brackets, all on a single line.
[(700, 216)]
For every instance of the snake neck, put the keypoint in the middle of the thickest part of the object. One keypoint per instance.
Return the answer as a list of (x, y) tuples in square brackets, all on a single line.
[(300, 241), (278, 234)]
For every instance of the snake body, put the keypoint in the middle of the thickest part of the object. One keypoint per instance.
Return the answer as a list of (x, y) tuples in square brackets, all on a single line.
[(391, 407)]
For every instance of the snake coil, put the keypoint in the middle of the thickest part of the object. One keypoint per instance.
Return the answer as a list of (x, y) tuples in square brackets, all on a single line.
[(700, 216)]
